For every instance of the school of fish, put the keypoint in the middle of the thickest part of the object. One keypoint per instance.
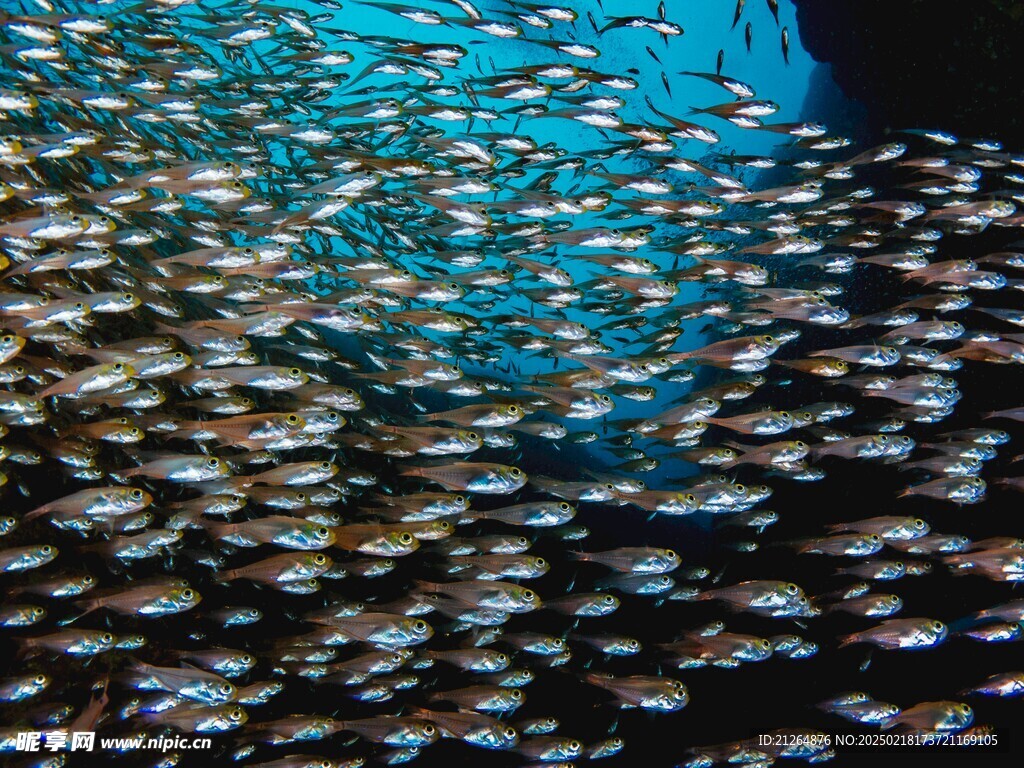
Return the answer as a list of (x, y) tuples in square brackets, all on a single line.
[(312, 338)]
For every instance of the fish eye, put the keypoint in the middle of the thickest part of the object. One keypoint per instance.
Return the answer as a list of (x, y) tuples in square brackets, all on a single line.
[(46, 549), (513, 409), (740, 488), (39, 679), (515, 472), (322, 532), (792, 589), (690, 498), (609, 599), (670, 554), (605, 399), (188, 594), (235, 714), (300, 496), (919, 523), (212, 463), (135, 494), (292, 419), (564, 507), (765, 644), (106, 637), (575, 746), (405, 538), (515, 694), (319, 559), (325, 465)]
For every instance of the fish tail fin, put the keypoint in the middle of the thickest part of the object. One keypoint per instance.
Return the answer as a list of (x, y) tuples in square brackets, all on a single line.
[(88, 607), (162, 327), (216, 529), (37, 512), (25, 647)]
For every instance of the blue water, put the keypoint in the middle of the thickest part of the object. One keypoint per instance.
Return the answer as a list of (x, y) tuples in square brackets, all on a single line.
[(623, 51)]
